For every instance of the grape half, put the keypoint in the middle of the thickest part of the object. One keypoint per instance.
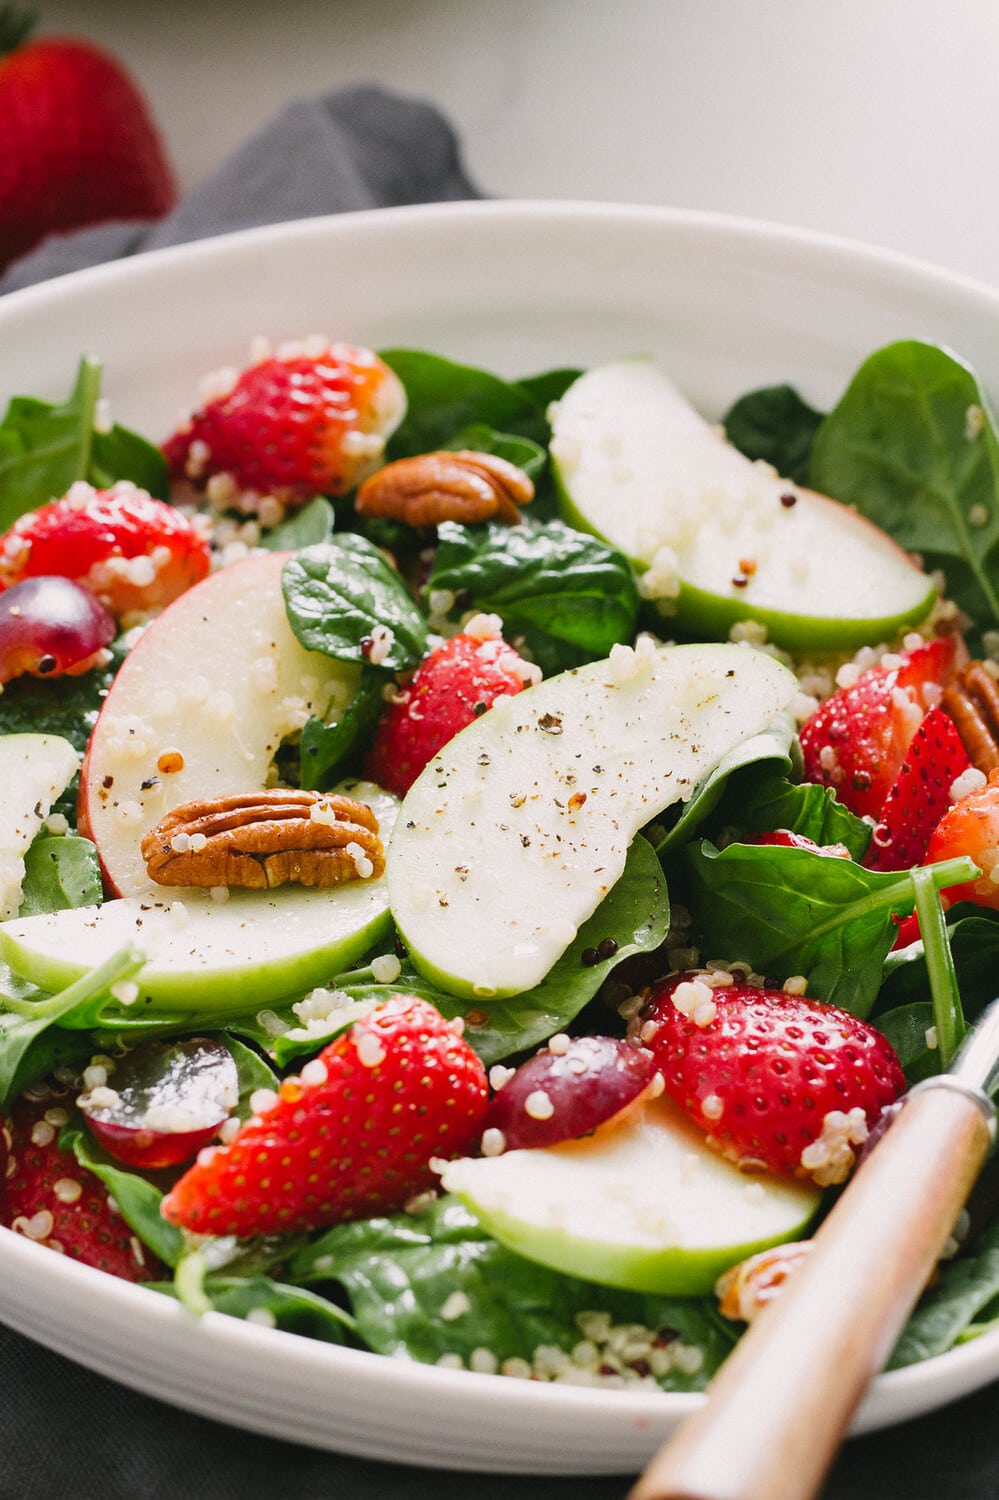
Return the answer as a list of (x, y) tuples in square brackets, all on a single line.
[(163, 1101), (557, 1096), (50, 625)]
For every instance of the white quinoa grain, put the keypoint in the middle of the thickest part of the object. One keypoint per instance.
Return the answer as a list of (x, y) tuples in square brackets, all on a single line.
[(370, 1051), (538, 1105), (456, 1306), (386, 968), (493, 1142)]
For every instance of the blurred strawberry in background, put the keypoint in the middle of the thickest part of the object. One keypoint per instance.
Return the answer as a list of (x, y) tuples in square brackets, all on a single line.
[(78, 145)]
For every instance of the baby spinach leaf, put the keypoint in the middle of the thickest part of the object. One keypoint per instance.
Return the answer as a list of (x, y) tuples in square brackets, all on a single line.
[(398, 1273), (480, 438), (137, 1198), (973, 938), (789, 911), (307, 527), (948, 1017), (569, 595), (252, 1071), (771, 748), (635, 914), (962, 1289), (907, 1027), (121, 454), (550, 385), (325, 750), (913, 446), (27, 1015), (444, 397), (776, 425), (763, 799), (258, 1299), (60, 872), (45, 447), (337, 592), (66, 706)]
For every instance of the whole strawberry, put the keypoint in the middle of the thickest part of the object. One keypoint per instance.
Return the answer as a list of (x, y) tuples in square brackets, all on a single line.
[(79, 144), (353, 1136), (856, 740), (136, 554), (48, 1197), (777, 1081), (312, 419)]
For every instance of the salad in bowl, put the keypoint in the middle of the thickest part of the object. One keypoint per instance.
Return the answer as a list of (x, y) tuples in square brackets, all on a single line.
[(482, 856)]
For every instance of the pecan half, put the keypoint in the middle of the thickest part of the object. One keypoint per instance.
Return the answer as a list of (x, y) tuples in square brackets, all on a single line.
[(264, 839), (971, 699), (434, 487), (745, 1289)]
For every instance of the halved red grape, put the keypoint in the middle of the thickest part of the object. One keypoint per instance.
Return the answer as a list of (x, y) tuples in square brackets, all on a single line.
[(567, 1092), (162, 1102), (50, 625)]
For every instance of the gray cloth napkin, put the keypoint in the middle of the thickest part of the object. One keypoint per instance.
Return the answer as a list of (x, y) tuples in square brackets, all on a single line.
[(67, 1434), (355, 148)]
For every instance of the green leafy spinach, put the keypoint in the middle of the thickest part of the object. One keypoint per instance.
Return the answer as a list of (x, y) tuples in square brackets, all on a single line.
[(569, 595), (338, 592)]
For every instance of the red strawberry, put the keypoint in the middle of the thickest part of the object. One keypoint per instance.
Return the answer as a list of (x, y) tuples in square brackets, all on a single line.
[(135, 553), (452, 686), (51, 1199), (773, 1078), (971, 827), (353, 1136), (920, 795), (79, 144), (856, 741), (310, 420)]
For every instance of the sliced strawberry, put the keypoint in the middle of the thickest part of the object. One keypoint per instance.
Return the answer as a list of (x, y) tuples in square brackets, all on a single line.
[(306, 421), (856, 741), (776, 1080), (135, 553), (919, 796), (51, 1199), (353, 1136), (971, 827), (455, 684)]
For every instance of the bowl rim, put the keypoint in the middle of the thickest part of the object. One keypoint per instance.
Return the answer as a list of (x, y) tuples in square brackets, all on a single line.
[(894, 1395)]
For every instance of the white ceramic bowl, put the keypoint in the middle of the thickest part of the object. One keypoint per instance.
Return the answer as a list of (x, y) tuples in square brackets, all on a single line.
[(727, 305)]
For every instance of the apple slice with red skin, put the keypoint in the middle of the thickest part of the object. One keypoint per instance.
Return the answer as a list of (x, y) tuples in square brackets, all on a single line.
[(198, 710), (163, 1102)]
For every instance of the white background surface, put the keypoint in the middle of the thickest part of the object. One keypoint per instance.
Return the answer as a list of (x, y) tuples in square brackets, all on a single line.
[(876, 119)]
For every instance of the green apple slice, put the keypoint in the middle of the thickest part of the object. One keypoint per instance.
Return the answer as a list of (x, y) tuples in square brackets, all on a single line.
[(722, 539), (515, 832), (255, 948), (34, 770), (642, 1203)]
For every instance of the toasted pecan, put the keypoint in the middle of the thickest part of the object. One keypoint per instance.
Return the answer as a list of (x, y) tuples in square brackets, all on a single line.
[(443, 486), (971, 700), (745, 1289), (259, 840)]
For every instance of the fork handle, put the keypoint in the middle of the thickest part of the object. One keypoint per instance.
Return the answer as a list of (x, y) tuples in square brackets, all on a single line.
[(780, 1405)]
